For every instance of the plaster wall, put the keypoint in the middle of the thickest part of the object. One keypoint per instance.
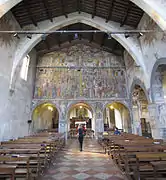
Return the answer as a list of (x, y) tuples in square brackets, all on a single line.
[(153, 43), (133, 71), (15, 107)]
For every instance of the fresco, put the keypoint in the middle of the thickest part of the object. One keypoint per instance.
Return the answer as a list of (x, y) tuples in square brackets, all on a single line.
[(80, 71), (6, 24)]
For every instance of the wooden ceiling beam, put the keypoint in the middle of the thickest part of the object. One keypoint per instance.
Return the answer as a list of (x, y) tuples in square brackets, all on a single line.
[(47, 44), (46, 5), (126, 14), (79, 6), (26, 6), (110, 10), (103, 39), (63, 8), (94, 8)]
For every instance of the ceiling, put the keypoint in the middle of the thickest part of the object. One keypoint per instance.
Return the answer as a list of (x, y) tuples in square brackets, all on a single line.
[(57, 40), (121, 11)]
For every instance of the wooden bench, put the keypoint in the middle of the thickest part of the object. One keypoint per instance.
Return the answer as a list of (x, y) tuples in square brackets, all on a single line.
[(22, 166), (144, 167), (7, 171)]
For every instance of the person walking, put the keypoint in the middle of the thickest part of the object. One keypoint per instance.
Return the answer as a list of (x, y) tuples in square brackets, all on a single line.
[(80, 136)]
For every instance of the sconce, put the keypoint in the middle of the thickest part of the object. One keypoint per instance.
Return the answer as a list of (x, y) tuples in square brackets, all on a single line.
[(29, 121)]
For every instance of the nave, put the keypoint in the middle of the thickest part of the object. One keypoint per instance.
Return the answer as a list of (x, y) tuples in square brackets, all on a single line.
[(90, 164)]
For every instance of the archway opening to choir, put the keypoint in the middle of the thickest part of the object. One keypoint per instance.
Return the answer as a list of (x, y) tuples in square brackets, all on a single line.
[(141, 118), (80, 113), (45, 116), (117, 115), (158, 84)]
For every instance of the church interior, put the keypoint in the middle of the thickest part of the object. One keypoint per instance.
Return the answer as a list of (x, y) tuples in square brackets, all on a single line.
[(90, 69)]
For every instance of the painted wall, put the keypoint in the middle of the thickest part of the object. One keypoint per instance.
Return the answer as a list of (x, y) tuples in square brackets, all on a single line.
[(97, 80), (152, 43)]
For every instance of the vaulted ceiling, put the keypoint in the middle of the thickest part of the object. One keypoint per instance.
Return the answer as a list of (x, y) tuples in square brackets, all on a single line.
[(121, 11)]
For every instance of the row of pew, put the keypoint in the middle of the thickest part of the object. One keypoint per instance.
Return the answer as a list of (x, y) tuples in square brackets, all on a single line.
[(138, 157), (28, 157)]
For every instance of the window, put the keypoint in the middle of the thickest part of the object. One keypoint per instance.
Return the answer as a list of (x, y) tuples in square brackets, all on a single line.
[(24, 68)]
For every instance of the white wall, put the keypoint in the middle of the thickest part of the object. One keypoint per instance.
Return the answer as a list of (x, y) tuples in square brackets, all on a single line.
[(118, 119), (15, 108)]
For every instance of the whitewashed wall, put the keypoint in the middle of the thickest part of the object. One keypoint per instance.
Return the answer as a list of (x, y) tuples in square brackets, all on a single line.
[(14, 106)]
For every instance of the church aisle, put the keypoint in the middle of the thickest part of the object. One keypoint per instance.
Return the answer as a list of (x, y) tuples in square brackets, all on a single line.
[(91, 164)]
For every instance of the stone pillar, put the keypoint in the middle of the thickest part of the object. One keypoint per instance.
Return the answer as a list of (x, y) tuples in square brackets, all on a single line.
[(157, 113), (108, 116), (136, 121), (99, 126), (63, 125)]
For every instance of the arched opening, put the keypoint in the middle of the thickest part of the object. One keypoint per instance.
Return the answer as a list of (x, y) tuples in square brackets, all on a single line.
[(80, 113), (117, 115), (141, 118), (158, 85), (45, 116)]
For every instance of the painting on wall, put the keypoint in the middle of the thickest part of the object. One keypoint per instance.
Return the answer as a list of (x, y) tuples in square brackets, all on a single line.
[(80, 71), (150, 37), (6, 25)]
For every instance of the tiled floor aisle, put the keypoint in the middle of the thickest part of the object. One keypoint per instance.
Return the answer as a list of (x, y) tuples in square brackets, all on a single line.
[(91, 164)]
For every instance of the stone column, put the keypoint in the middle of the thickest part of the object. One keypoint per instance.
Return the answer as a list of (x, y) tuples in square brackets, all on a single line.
[(108, 116), (99, 126), (157, 113), (63, 126), (136, 121)]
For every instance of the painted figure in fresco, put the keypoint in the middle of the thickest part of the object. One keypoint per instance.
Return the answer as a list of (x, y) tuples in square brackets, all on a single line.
[(54, 91), (59, 90), (49, 90), (162, 114), (44, 88), (36, 93)]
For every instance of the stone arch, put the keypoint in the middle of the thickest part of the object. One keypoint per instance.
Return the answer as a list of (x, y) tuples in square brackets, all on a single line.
[(140, 101), (80, 102), (159, 62), (127, 106), (88, 106), (40, 102), (154, 9), (41, 114), (130, 44), (137, 81)]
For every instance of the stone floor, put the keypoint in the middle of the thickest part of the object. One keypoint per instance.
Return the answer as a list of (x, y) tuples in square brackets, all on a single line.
[(90, 164)]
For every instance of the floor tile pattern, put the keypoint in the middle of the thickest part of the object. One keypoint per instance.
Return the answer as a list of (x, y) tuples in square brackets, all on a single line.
[(90, 164)]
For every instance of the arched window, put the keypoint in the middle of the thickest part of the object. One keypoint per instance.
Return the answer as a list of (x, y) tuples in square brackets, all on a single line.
[(24, 68)]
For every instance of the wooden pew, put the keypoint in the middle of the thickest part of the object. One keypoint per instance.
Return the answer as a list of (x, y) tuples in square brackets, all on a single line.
[(144, 167), (22, 166), (7, 171), (34, 154)]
